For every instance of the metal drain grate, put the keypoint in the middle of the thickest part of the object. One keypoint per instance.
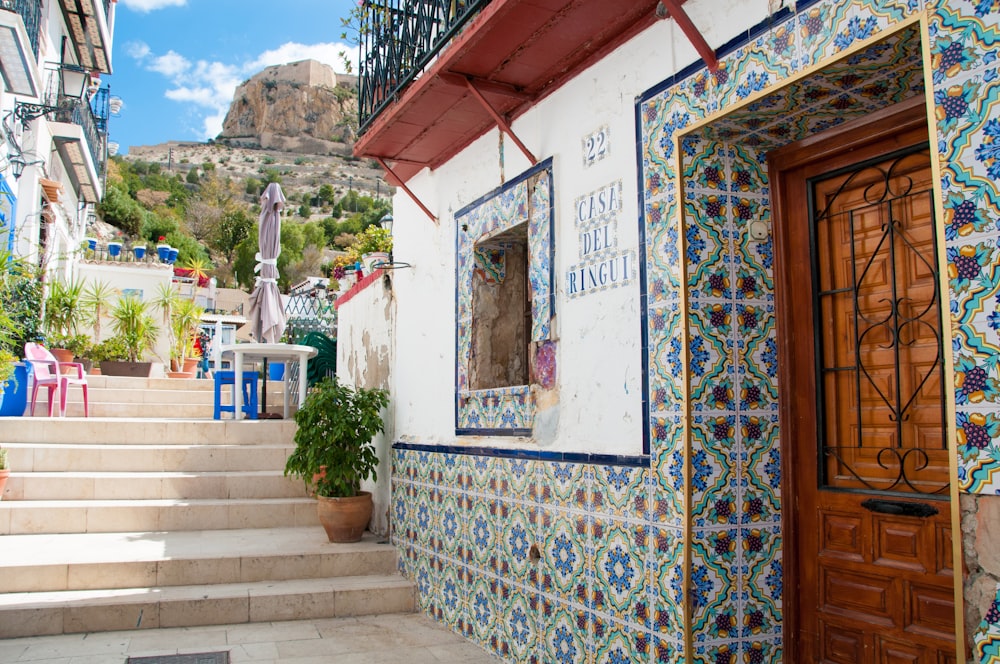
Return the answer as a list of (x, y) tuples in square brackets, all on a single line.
[(221, 657)]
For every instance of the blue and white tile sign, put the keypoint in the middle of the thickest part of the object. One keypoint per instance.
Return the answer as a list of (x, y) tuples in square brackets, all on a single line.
[(603, 264)]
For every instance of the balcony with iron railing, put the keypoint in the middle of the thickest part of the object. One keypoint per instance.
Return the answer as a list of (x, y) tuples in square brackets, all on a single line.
[(437, 74), (31, 13)]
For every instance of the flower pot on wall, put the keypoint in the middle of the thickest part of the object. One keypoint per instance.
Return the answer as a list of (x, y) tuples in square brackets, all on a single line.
[(345, 519), (140, 252), (373, 259), (114, 249)]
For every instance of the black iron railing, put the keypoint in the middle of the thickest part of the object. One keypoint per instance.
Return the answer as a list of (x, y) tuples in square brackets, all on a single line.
[(31, 14), (398, 39), (79, 112)]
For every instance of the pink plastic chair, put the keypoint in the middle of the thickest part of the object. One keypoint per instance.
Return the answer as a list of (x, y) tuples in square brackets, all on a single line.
[(46, 371)]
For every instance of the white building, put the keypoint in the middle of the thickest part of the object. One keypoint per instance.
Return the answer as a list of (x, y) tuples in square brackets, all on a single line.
[(54, 116)]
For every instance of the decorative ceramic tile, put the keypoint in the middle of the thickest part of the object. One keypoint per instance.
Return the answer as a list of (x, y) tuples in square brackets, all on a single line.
[(761, 582), (564, 637), (518, 533), (667, 574), (621, 491), (964, 37), (617, 643), (482, 534), (713, 471), (519, 624), (620, 570), (564, 564), (714, 591), (565, 485), (987, 636)]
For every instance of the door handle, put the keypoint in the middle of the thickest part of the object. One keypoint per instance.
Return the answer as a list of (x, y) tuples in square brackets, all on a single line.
[(899, 507)]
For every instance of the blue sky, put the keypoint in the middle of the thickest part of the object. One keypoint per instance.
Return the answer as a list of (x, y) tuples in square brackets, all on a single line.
[(177, 62)]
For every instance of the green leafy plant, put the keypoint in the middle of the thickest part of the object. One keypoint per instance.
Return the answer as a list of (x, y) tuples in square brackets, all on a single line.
[(7, 366), (111, 349), (371, 240), (96, 301), (184, 323), (333, 442), (64, 311), (134, 326), (3, 459)]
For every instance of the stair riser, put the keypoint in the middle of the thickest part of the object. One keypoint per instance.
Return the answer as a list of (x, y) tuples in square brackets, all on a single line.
[(23, 518), (152, 574), (112, 431), (29, 487), (148, 613), (58, 458)]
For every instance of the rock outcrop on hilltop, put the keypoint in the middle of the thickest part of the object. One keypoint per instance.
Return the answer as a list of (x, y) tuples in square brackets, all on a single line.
[(302, 107)]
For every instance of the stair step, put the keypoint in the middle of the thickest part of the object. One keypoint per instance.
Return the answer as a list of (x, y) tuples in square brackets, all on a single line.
[(139, 430), (41, 458), (152, 485), (47, 563), (64, 612), (117, 516)]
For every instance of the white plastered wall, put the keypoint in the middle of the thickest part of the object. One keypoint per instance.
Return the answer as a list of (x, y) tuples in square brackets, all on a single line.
[(599, 365)]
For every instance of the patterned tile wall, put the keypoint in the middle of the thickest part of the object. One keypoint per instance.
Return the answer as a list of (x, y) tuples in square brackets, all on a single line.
[(525, 200), (538, 561), (610, 581)]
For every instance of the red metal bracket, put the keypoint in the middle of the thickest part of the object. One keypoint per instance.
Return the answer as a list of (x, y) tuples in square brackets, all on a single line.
[(402, 185), (690, 31), (501, 122)]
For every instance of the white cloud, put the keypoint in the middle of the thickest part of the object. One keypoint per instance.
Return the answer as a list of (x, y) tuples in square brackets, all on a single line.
[(171, 64), (146, 6), (208, 86), (137, 49)]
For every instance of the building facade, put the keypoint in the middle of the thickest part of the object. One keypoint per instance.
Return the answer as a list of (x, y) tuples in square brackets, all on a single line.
[(696, 358), (55, 114)]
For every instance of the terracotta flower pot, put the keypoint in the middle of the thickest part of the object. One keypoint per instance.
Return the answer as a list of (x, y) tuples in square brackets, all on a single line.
[(345, 519), (4, 474), (63, 355)]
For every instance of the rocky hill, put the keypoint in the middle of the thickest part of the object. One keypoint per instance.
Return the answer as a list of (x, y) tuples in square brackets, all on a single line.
[(298, 120), (302, 107)]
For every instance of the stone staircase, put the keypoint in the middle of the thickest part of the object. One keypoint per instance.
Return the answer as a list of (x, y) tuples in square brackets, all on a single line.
[(112, 523), (173, 398)]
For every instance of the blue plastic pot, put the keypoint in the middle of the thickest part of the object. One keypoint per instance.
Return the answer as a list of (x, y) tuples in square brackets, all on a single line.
[(172, 257), (140, 252), (14, 398), (163, 252)]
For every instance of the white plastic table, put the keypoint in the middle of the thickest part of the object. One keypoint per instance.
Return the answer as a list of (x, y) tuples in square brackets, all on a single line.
[(283, 352)]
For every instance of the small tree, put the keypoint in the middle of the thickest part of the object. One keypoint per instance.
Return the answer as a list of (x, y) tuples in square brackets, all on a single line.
[(96, 300), (134, 326)]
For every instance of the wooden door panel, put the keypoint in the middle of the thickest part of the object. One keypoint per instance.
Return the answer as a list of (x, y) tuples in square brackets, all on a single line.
[(861, 350)]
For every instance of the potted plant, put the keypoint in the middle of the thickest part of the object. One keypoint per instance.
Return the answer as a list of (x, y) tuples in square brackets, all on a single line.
[(185, 319), (372, 246), (334, 453), (136, 332), (63, 313), (20, 322), (4, 471)]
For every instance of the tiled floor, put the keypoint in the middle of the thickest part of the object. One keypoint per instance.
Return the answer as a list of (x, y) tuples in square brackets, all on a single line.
[(412, 638)]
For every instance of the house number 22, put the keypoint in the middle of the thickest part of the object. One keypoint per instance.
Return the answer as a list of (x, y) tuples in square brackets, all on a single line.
[(596, 146)]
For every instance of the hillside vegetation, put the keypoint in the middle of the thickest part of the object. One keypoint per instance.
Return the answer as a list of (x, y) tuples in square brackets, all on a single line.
[(211, 218)]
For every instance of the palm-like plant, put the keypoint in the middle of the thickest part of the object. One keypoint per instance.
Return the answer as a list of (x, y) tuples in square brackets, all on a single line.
[(136, 328), (96, 300), (186, 317), (63, 311), (165, 300)]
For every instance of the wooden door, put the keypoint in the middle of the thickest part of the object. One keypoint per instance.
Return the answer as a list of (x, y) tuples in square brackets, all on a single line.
[(868, 523)]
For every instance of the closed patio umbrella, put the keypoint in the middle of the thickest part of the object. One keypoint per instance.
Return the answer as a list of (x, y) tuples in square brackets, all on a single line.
[(267, 315)]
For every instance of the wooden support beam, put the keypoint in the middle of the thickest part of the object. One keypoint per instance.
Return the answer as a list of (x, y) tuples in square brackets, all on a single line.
[(402, 185)]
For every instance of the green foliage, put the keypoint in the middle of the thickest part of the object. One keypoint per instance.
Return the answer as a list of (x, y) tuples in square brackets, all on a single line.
[(254, 187), (96, 300), (134, 326), (184, 323), (20, 304), (192, 176), (371, 240), (305, 211), (119, 209), (154, 227), (113, 349), (335, 429), (234, 227), (64, 311), (3, 457), (187, 247)]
